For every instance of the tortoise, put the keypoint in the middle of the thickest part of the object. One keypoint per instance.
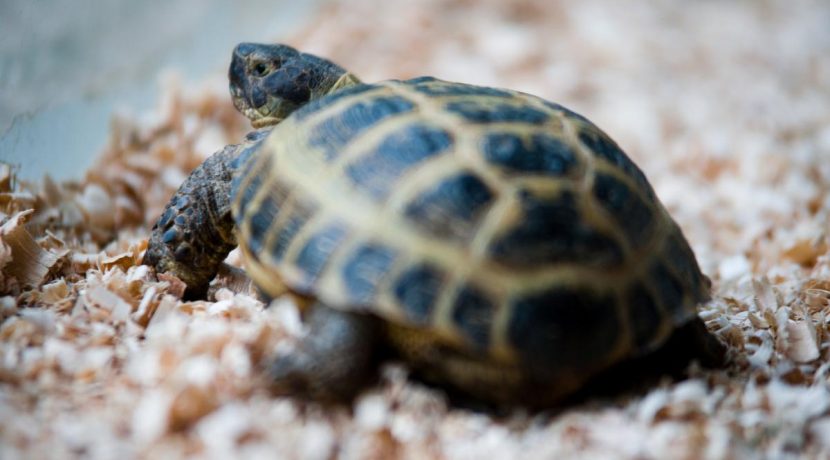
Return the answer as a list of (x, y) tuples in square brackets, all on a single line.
[(500, 244)]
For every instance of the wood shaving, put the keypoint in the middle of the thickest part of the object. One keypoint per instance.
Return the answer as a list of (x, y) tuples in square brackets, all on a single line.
[(23, 263), (802, 346), (724, 105)]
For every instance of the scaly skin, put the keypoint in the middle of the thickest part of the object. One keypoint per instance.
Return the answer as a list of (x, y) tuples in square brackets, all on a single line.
[(195, 232)]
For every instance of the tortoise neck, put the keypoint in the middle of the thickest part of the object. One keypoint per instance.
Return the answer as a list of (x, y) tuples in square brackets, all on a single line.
[(327, 76)]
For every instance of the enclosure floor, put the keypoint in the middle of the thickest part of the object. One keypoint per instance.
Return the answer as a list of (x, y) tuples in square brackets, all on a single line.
[(724, 105)]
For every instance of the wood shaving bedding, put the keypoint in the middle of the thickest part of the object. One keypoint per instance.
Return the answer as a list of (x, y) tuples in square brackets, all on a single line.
[(726, 107)]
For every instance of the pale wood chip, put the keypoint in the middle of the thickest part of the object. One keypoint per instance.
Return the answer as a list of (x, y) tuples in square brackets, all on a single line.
[(123, 261), (24, 260), (801, 345), (233, 279), (147, 307), (175, 286), (760, 358), (189, 405), (758, 321), (101, 297), (765, 299), (6, 178)]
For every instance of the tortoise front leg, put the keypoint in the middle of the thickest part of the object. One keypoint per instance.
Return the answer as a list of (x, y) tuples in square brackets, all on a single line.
[(195, 232)]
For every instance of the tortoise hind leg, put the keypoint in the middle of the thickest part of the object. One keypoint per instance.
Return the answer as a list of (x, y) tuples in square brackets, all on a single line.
[(690, 342), (334, 361), (693, 341)]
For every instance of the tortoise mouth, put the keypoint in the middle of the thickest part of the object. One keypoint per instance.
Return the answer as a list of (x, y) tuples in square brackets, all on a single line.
[(264, 115), (265, 121), (241, 104)]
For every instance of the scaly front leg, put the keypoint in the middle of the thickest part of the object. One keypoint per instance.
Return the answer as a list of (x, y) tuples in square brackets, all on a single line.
[(195, 232)]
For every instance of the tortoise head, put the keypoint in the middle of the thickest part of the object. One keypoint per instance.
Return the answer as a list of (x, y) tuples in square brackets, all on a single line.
[(268, 82)]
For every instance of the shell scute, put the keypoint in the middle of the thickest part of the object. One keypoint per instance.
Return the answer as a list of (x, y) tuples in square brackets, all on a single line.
[(317, 104), (564, 327), (453, 207), (435, 88), (364, 269), (260, 222), (378, 170), (298, 216), (472, 314), (333, 133), (668, 288), (644, 315), (485, 111), (603, 147), (541, 153), (417, 290), (551, 230), (626, 207), (316, 252)]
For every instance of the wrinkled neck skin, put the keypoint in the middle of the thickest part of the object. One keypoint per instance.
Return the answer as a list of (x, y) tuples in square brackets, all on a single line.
[(325, 77)]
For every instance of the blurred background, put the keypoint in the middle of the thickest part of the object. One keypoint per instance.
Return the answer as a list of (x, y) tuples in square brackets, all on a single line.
[(67, 65), (654, 74)]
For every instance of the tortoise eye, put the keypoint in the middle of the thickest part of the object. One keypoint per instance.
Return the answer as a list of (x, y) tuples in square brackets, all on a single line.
[(260, 69)]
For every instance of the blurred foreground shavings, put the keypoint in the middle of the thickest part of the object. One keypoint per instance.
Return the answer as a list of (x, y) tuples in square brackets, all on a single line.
[(725, 105)]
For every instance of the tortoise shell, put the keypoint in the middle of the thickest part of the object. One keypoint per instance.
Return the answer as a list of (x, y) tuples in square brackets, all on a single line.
[(498, 222)]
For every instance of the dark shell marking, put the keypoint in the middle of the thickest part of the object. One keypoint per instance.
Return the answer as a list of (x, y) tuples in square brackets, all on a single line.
[(417, 290), (477, 112), (552, 230), (643, 314), (668, 288), (297, 217), (452, 208), (333, 133), (439, 89), (564, 328), (364, 269), (602, 147), (542, 153), (378, 171), (472, 314), (625, 206), (246, 166), (684, 263), (316, 105), (318, 249), (260, 222)]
